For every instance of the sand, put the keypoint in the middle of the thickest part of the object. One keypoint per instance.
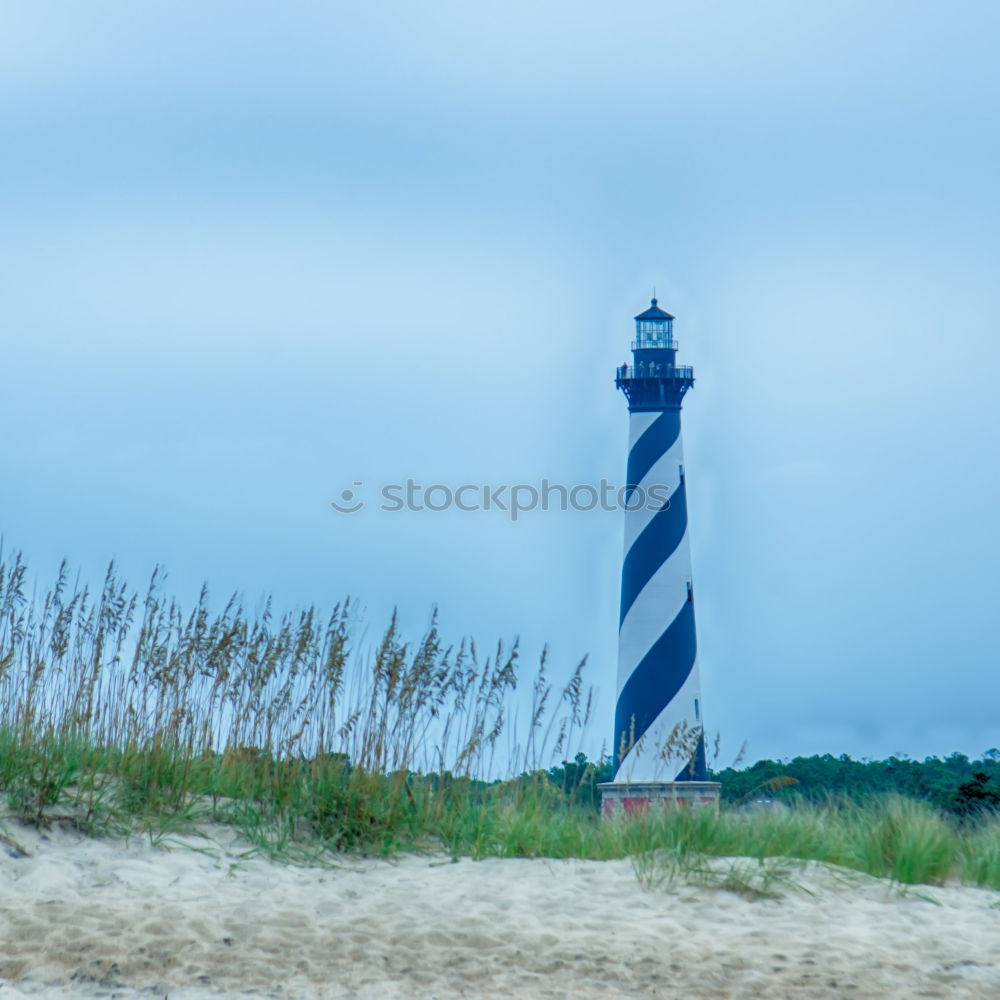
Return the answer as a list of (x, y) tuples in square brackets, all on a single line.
[(97, 918)]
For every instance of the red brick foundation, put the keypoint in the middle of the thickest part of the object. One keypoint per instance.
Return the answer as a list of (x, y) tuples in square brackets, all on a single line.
[(632, 798)]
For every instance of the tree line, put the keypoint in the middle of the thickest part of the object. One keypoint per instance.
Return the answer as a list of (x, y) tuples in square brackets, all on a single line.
[(954, 783)]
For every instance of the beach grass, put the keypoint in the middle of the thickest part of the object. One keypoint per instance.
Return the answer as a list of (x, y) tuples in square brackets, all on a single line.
[(122, 714)]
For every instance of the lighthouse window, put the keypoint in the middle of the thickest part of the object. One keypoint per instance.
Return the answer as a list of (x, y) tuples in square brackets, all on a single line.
[(696, 714)]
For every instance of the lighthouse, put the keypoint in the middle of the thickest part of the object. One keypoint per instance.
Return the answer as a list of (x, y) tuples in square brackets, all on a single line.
[(658, 741)]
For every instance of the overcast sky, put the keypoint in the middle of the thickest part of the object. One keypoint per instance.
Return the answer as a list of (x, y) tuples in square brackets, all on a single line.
[(253, 253)]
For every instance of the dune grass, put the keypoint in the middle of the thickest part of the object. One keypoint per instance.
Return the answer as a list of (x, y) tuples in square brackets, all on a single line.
[(891, 837), (120, 710), (122, 714)]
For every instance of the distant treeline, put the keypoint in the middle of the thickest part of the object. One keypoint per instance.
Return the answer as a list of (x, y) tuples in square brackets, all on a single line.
[(955, 784)]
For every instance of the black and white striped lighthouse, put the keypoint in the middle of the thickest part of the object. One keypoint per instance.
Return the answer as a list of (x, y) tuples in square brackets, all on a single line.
[(658, 739)]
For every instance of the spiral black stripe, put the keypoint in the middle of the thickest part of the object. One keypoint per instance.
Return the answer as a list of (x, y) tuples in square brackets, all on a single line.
[(654, 546), (652, 445), (656, 680)]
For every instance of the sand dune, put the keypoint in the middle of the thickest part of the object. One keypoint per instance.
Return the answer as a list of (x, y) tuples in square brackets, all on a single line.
[(100, 919)]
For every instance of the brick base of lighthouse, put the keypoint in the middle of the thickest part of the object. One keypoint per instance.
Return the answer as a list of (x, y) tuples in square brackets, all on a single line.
[(630, 798)]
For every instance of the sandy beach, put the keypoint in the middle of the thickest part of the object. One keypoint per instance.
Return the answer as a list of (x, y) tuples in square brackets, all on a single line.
[(192, 918)]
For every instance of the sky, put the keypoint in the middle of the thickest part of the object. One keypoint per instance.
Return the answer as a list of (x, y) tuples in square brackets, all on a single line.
[(252, 254)]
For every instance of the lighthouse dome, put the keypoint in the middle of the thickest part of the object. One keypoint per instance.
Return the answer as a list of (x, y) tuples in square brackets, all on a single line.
[(654, 312)]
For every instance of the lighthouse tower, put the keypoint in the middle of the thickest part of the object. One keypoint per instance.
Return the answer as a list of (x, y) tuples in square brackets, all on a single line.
[(658, 740)]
